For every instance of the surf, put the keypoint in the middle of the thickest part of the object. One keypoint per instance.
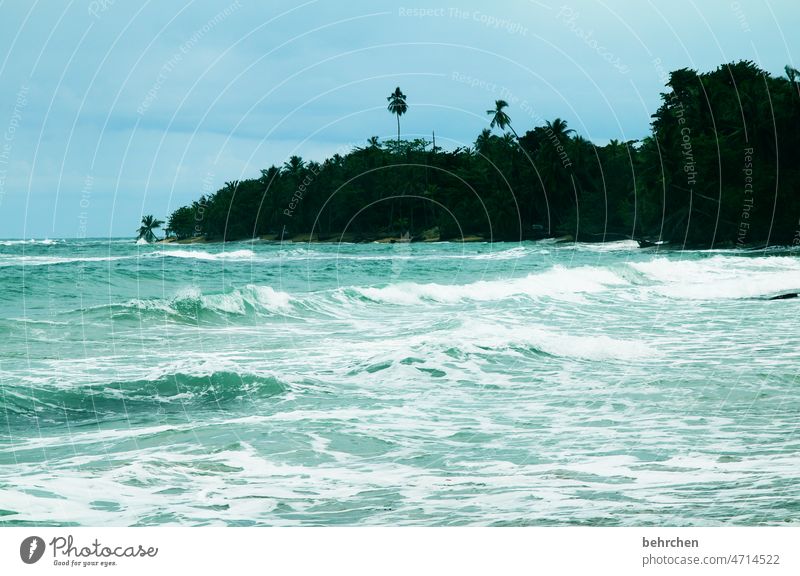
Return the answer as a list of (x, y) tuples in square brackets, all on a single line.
[(557, 282), (171, 392)]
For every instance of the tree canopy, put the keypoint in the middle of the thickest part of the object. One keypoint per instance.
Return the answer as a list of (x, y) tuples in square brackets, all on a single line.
[(721, 167)]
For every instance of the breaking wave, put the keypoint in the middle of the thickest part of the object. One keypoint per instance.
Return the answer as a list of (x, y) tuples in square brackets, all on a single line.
[(6, 261), (192, 304), (556, 282), (203, 255), (722, 277), (484, 336), (32, 242)]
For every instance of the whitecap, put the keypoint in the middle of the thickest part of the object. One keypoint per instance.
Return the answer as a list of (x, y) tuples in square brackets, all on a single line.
[(203, 255), (48, 260), (556, 282), (722, 277), (595, 347), (250, 297), (32, 241), (616, 246)]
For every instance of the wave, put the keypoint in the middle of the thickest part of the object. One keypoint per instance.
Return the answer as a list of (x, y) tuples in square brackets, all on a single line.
[(556, 282), (8, 261), (257, 299), (166, 392), (402, 251), (390, 252), (192, 304), (509, 254), (472, 340), (43, 242), (203, 255), (723, 277), (477, 336), (615, 246)]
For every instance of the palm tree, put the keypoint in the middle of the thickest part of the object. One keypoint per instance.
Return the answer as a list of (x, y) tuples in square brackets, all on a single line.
[(508, 140), (149, 223), (792, 74), (500, 118), (483, 141), (397, 106), (559, 128), (294, 167)]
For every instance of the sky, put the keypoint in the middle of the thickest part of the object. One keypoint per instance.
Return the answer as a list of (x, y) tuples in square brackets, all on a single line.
[(111, 109)]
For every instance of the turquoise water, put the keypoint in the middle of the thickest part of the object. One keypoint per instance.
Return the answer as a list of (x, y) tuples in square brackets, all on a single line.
[(419, 384)]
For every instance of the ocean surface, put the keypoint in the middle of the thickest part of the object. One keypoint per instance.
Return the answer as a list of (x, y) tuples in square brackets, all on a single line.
[(408, 384)]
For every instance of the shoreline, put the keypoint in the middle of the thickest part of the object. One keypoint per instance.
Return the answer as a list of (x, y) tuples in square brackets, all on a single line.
[(350, 238), (469, 239), (365, 239), (344, 238)]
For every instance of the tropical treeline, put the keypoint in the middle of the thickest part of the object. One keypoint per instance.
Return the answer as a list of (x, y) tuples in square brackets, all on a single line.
[(721, 167)]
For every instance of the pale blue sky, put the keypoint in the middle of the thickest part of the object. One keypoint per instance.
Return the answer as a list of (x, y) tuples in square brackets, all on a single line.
[(109, 109)]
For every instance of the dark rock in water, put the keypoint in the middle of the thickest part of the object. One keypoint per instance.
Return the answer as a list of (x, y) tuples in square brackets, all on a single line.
[(649, 243), (786, 296)]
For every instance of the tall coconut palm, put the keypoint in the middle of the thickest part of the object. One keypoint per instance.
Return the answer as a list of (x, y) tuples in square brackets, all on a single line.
[(500, 118), (397, 106), (149, 223)]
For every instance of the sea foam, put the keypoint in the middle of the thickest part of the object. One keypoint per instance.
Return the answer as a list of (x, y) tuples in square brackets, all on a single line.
[(494, 336), (203, 255), (33, 242), (722, 277), (556, 282), (6, 261)]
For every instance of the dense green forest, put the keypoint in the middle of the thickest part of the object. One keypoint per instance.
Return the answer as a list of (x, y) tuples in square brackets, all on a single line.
[(721, 167)]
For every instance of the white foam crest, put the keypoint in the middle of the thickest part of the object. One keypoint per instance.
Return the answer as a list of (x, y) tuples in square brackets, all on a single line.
[(43, 242), (617, 246), (304, 254), (599, 347), (509, 254), (239, 301), (49, 260), (269, 297), (556, 282), (723, 277), (251, 296), (143, 305), (203, 255), (196, 365)]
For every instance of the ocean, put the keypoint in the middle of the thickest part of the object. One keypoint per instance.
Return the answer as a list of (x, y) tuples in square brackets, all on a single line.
[(536, 383)]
